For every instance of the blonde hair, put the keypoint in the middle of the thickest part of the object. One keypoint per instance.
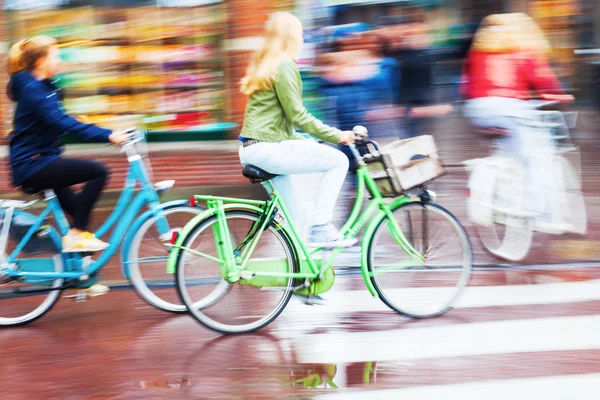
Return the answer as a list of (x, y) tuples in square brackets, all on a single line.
[(24, 54), (505, 33), (280, 38)]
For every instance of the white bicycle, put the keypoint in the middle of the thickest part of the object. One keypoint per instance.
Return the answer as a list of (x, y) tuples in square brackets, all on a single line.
[(508, 201)]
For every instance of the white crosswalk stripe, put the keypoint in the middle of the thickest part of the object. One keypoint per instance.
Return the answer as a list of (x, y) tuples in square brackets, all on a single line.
[(347, 301), (498, 337), (473, 296), (575, 387), (327, 341)]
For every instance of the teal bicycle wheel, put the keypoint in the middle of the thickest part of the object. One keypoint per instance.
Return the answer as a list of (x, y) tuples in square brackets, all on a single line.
[(148, 254), (24, 299)]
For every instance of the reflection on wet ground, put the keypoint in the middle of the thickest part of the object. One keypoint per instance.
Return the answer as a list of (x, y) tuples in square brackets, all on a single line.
[(511, 325), (117, 347)]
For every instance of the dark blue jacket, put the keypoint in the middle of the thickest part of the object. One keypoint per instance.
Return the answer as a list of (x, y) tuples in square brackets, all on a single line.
[(38, 123), (353, 99)]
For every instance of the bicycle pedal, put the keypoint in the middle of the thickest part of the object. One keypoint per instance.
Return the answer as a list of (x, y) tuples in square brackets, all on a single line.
[(310, 300), (315, 302), (78, 297), (81, 295)]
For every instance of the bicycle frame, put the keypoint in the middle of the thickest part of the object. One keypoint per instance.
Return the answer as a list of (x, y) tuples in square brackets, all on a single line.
[(233, 270), (121, 219)]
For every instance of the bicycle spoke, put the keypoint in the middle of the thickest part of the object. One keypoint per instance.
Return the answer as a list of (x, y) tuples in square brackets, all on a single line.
[(243, 306), (411, 287), (148, 256)]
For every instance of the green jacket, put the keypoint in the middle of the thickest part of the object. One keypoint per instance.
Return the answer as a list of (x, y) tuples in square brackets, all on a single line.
[(271, 114)]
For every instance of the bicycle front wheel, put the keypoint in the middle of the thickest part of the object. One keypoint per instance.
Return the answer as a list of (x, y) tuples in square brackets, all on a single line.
[(407, 285), (508, 233), (148, 256), (244, 306)]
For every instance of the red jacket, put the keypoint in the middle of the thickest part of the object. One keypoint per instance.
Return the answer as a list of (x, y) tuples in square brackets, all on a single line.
[(512, 75)]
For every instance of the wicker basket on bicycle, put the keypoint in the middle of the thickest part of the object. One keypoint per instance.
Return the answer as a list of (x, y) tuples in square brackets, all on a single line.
[(404, 164)]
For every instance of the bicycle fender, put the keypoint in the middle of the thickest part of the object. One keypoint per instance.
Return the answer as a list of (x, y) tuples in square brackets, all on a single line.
[(481, 191), (368, 236)]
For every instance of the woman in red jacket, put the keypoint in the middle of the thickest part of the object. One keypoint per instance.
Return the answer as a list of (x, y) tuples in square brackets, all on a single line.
[(506, 63)]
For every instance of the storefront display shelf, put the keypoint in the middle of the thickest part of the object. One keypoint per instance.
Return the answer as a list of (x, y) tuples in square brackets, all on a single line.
[(122, 68), (216, 131), (74, 91)]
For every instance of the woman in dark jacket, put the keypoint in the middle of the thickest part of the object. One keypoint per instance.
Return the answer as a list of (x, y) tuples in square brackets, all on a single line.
[(35, 151)]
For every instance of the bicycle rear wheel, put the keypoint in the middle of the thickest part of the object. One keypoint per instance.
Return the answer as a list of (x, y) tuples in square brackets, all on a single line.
[(244, 306), (413, 288)]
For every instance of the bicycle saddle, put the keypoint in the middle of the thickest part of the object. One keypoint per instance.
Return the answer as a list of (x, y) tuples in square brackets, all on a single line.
[(30, 191), (256, 174)]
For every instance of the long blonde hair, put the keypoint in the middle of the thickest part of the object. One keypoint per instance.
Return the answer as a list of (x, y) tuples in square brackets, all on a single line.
[(24, 54), (505, 33), (282, 37)]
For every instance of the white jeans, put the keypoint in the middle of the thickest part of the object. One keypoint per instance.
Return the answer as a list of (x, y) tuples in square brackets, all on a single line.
[(498, 112), (524, 141), (293, 157)]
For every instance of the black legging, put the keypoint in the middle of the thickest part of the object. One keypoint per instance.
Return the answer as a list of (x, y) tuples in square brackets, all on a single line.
[(63, 173)]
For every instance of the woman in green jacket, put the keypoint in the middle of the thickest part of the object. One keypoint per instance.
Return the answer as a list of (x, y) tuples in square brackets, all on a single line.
[(269, 141)]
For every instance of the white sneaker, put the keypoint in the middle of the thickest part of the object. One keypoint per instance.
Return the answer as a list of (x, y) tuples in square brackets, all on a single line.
[(85, 242), (327, 236)]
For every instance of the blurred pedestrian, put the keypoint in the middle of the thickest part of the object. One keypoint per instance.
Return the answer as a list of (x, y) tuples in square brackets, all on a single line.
[(410, 45)]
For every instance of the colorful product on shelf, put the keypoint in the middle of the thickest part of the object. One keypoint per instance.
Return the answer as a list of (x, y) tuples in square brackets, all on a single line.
[(148, 66)]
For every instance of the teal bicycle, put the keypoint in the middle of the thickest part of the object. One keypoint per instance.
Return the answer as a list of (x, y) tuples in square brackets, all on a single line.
[(238, 263), (34, 271)]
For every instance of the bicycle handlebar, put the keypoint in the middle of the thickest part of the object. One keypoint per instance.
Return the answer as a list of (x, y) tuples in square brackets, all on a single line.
[(135, 136), (361, 134)]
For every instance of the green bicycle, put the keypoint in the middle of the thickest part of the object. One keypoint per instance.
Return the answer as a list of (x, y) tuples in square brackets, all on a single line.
[(238, 263)]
